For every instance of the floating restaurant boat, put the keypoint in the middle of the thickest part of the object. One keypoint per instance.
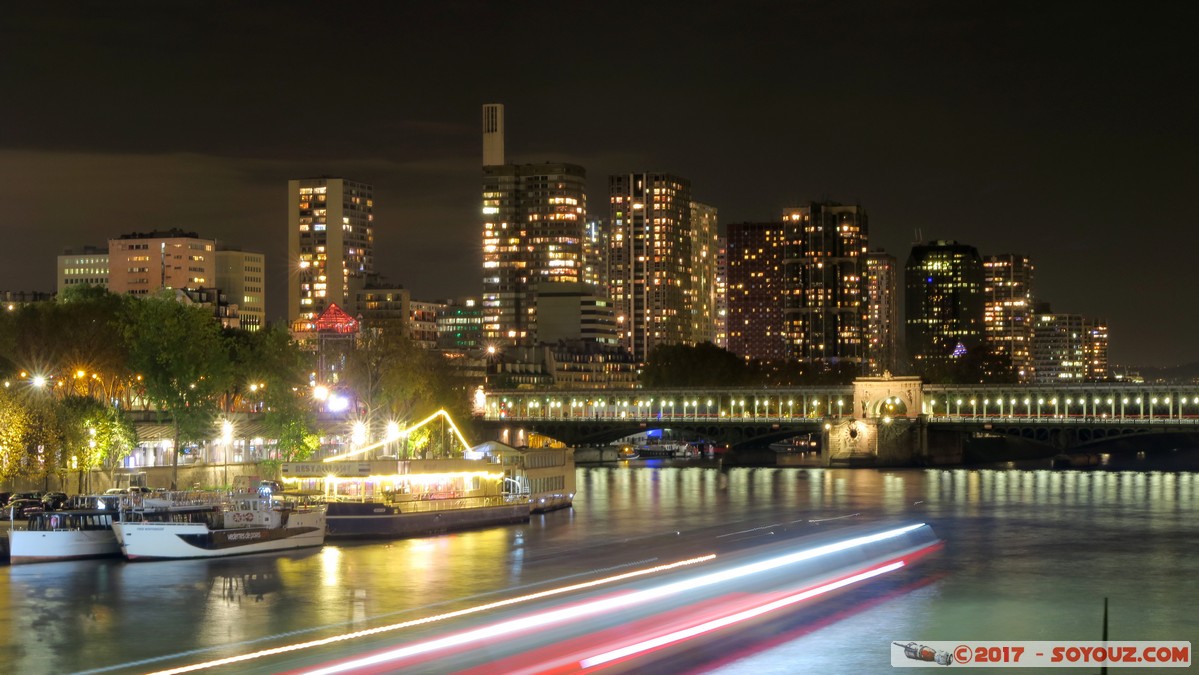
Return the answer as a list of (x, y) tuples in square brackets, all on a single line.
[(403, 498), (236, 525), (72, 534)]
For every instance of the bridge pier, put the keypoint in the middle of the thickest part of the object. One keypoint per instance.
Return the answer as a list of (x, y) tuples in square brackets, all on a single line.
[(904, 441)]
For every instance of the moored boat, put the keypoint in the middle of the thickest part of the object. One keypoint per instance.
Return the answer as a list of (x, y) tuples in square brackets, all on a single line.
[(405, 498), (239, 524), (72, 534)]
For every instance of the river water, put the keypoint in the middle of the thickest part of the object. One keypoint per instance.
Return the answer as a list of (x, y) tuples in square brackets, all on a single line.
[(1028, 555)]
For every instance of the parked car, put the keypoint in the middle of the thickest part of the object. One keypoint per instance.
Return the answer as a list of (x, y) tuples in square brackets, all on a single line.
[(52, 501), (23, 495), (22, 508)]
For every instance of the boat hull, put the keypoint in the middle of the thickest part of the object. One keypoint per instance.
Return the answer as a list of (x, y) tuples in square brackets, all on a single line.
[(351, 519), (550, 502), (174, 541), (55, 545)]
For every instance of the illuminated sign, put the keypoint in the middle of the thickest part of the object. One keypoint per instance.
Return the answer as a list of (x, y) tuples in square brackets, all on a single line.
[(300, 469)]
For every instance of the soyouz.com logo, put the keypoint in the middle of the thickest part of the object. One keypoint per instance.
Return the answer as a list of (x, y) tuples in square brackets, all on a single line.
[(1040, 654)]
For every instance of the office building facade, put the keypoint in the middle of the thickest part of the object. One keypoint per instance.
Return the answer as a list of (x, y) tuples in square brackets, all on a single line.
[(241, 276), (142, 263)]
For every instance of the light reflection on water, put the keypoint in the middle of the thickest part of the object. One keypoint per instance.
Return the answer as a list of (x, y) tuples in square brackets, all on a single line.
[(1029, 555)]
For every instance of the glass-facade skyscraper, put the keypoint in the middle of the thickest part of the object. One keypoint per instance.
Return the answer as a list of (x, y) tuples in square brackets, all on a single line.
[(944, 302)]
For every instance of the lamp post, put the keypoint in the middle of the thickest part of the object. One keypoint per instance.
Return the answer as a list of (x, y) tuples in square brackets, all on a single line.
[(227, 439)]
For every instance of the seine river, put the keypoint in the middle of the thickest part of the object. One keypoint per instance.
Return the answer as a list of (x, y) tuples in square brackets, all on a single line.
[(1028, 555)]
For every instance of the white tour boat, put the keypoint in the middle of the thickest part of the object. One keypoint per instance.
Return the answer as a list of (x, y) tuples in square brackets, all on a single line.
[(238, 525), (72, 534)]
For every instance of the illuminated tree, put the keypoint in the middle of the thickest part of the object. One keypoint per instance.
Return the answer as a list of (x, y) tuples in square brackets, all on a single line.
[(184, 365), (395, 378), (96, 435), (13, 422), (269, 363)]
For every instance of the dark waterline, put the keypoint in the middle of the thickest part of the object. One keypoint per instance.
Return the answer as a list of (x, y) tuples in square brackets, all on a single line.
[(1029, 555)]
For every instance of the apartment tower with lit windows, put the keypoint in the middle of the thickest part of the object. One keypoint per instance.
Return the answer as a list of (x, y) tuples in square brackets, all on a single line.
[(754, 291), (825, 307), (704, 248), (650, 264), (1008, 310), (330, 245), (534, 227), (880, 283)]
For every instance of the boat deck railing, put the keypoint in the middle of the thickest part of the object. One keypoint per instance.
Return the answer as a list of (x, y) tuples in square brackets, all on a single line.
[(482, 501)]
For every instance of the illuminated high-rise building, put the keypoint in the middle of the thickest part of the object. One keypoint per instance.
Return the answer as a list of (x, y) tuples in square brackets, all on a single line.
[(1008, 310), (944, 302), (1095, 351), (704, 236), (533, 232), (880, 284), (595, 255), (824, 305), (1068, 348), (755, 290), (722, 299), (330, 246), (650, 263)]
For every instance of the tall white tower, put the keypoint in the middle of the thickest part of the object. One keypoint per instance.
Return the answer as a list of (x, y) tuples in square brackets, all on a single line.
[(493, 134)]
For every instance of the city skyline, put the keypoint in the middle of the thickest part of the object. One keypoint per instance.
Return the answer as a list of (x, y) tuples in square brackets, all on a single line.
[(1061, 132)]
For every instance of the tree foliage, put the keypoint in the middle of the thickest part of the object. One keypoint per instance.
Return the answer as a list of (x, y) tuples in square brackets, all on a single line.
[(702, 365), (395, 377), (183, 365)]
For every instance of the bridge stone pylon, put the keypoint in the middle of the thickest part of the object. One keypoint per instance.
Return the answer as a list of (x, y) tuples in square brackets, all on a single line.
[(887, 396)]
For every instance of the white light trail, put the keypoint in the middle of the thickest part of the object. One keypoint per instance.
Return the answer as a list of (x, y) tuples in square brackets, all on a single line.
[(688, 633), (606, 604), (432, 619)]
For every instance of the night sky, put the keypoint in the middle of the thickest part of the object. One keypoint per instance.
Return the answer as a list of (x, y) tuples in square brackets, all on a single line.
[(1066, 131)]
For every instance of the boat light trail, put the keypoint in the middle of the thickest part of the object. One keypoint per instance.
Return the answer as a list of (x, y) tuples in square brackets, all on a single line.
[(433, 619), (716, 624), (607, 604)]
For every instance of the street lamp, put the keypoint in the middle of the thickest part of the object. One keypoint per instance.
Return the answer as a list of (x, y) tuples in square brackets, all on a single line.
[(358, 434), (227, 438), (393, 434)]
